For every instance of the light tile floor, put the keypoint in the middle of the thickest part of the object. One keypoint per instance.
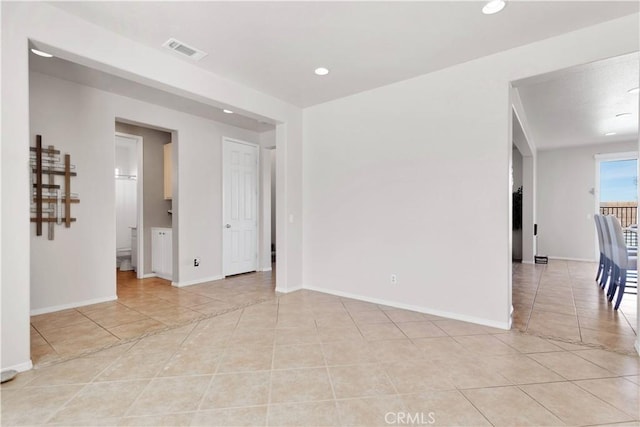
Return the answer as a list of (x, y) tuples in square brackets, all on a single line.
[(562, 300), (308, 358)]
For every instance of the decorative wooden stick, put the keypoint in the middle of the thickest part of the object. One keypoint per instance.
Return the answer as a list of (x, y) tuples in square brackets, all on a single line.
[(52, 207), (67, 190), (54, 219), (38, 184), (50, 197)]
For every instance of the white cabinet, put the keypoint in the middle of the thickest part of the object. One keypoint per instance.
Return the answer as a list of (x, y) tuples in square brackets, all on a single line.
[(161, 252)]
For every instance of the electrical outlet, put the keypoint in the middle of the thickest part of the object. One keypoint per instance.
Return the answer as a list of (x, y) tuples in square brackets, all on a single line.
[(196, 262), (394, 279)]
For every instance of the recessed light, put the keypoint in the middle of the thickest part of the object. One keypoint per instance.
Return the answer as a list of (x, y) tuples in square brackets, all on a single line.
[(321, 71), (634, 90), (609, 134), (623, 114), (227, 111), (41, 53), (494, 6)]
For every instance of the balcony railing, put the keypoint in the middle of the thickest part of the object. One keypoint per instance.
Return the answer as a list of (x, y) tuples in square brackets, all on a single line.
[(627, 215)]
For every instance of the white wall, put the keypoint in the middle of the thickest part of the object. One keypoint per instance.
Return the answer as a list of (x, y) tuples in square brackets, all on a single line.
[(62, 269), (15, 198), (565, 204), (78, 266), (413, 179), (71, 38)]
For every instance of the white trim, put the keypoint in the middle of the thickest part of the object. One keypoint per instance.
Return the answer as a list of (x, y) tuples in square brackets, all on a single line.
[(139, 201), (298, 288), (511, 317), (561, 258), (149, 275), (196, 281), (264, 269), (20, 367), (225, 140), (72, 305), (627, 155), (445, 314), (527, 262), (518, 109)]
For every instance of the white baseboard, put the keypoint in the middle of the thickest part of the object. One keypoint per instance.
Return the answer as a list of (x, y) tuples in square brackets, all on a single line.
[(149, 275), (72, 305), (447, 314), (265, 269), (527, 262), (196, 281), (289, 290), (20, 367), (511, 317), (561, 258)]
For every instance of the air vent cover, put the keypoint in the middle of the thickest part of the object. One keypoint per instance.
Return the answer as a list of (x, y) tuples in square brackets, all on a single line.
[(184, 49)]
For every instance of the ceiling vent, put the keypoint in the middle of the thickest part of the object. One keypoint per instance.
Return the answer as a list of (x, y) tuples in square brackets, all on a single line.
[(184, 49)]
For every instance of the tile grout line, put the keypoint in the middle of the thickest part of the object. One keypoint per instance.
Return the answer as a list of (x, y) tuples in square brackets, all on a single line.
[(535, 296), (464, 395), (84, 386), (575, 382), (273, 360), (540, 403), (573, 300)]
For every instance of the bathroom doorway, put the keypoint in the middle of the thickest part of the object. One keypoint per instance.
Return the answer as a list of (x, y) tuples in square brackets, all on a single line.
[(128, 185)]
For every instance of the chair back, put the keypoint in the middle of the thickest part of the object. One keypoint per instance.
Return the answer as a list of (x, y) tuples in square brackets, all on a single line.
[(597, 219), (606, 237), (618, 246)]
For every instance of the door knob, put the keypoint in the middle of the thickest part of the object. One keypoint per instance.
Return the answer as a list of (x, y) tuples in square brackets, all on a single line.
[(228, 226)]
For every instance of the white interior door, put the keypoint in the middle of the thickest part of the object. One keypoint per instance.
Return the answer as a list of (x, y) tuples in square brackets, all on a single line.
[(240, 207)]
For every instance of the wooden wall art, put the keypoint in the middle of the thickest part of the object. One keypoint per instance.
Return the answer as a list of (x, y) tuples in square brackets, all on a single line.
[(51, 201)]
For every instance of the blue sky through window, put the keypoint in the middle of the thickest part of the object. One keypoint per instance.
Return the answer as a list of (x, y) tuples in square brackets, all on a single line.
[(618, 181)]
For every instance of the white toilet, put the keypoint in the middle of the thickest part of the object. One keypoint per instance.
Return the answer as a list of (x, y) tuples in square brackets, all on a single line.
[(123, 259)]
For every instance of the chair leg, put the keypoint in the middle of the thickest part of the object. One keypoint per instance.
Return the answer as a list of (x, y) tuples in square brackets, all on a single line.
[(613, 282), (606, 273), (623, 282), (600, 267)]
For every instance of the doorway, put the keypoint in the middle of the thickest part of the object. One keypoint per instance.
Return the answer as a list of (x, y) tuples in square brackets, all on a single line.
[(128, 188), (561, 299), (239, 206)]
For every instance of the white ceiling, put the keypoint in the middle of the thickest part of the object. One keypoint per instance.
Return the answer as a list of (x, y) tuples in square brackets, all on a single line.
[(577, 106), (275, 46)]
